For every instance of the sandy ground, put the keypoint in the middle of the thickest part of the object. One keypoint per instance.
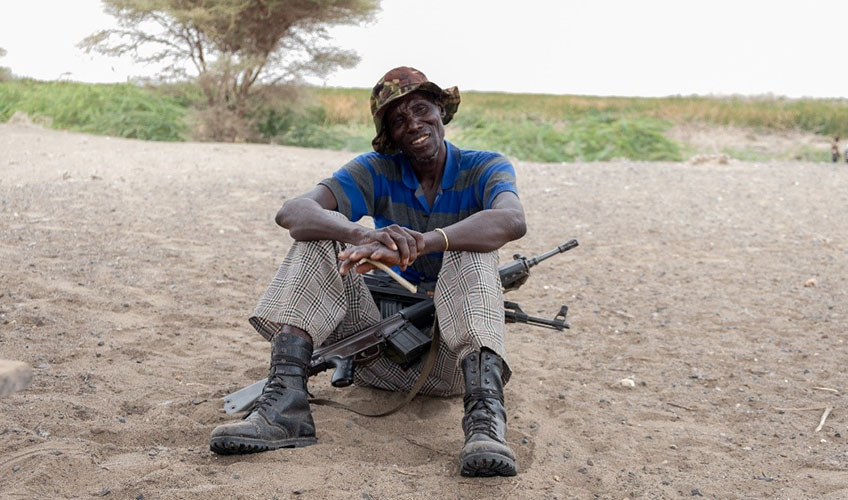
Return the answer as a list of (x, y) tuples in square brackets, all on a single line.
[(127, 271), (741, 142)]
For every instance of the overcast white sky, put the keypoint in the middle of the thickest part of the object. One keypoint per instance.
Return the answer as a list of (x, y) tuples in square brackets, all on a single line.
[(597, 47)]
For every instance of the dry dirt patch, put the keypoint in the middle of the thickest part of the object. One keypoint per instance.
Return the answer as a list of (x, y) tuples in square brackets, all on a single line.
[(128, 269)]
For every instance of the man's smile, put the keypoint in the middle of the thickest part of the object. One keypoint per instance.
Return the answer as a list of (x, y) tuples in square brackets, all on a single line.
[(421, 139)]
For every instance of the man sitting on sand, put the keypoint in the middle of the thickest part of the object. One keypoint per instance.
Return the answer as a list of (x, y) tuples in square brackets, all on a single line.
[(441, 213)]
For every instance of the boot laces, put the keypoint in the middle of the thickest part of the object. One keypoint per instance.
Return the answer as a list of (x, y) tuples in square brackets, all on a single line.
[(481, 417), (270, 393)]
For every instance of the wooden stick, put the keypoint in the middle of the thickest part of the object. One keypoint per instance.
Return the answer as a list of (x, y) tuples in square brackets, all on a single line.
[(827, 389), (806, 408), (400, 471), (681, 406), (624, 315), (824, 417), (395, 276)]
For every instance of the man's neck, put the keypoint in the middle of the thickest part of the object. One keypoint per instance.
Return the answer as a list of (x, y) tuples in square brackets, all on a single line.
[(429, 171)]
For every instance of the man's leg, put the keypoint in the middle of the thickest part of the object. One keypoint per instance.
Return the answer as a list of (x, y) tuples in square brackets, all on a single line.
[(308, 302), (469, 305)]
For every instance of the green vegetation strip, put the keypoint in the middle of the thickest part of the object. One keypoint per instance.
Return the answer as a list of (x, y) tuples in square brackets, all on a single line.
[(122, 110), (525, 126)]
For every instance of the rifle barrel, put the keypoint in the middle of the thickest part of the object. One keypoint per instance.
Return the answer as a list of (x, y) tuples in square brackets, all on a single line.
[(568, 245)]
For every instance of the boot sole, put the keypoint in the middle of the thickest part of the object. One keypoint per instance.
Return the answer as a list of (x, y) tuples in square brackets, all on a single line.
[(487, 465), (238, 446)]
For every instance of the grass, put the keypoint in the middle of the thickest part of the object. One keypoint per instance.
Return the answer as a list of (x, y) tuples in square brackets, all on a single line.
[(525, 126), (819, 116), (122, 110)]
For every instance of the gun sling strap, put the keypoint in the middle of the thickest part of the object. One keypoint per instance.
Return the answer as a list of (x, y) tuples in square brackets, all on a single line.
[(425, 372)]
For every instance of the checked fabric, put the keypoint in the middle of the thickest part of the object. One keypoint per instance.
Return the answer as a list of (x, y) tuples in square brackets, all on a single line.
[(309, 293)]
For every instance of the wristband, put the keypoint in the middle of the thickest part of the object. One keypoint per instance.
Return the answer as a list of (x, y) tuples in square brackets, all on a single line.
[(447, 242)]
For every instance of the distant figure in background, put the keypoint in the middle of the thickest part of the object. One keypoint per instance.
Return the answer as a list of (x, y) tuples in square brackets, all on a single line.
[(834, 150)]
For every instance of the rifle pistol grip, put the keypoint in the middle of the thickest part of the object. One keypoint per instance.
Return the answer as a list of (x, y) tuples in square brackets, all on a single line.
[(343, 374)]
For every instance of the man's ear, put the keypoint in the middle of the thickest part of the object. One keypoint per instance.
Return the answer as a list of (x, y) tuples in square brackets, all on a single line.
[(442, 111)]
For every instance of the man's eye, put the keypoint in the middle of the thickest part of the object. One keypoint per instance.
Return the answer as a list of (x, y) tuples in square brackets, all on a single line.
[(420, 109)]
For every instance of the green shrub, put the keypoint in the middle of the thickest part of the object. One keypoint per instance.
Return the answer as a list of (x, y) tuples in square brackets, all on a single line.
[(122, 110), (594, 138)]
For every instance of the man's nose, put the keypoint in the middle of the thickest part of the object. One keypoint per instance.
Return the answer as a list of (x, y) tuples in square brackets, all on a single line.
[(413, 123)]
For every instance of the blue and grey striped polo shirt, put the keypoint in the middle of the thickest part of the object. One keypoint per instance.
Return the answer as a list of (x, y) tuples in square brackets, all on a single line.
[(385, 187)]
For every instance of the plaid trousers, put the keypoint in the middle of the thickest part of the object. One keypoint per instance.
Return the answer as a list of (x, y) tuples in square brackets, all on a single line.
[(309, 293)]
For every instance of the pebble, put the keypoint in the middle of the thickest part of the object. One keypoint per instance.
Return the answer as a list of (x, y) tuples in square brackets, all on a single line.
[(16, 468), (140, 496), (697, 493), (103, 492), (627, 382), (583, 470)]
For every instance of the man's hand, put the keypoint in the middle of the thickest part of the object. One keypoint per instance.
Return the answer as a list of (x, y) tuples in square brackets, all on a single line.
[(407, 243), (375, 250)]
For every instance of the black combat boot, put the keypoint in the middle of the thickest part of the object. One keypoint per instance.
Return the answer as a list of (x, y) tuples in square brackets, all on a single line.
[(280, 418), (485, 452)]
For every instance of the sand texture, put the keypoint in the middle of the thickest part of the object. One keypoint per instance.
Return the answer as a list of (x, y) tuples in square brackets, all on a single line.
[(128, 269)]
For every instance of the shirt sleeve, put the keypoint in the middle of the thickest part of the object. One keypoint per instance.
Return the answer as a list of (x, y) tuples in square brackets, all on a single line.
[(497, 176), (353, 187)]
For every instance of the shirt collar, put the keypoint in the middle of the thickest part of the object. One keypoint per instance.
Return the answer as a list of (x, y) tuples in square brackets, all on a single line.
[(448, 176)]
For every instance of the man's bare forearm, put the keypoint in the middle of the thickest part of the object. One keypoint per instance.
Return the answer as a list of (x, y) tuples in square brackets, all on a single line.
[(484, 231), (307, 220)]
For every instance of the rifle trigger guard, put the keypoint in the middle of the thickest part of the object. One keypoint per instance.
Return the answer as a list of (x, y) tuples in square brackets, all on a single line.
[(368, 355)]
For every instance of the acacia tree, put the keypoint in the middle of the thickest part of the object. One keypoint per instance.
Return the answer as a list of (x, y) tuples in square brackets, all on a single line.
[(231, 45)]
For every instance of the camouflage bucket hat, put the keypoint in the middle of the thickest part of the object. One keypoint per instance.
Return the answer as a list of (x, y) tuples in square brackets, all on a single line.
[(396, 84)]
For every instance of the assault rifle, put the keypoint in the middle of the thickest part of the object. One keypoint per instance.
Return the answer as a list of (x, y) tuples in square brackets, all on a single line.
[(399, 335)]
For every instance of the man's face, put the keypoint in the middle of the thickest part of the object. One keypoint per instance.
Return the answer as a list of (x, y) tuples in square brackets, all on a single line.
[(414, 125)]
